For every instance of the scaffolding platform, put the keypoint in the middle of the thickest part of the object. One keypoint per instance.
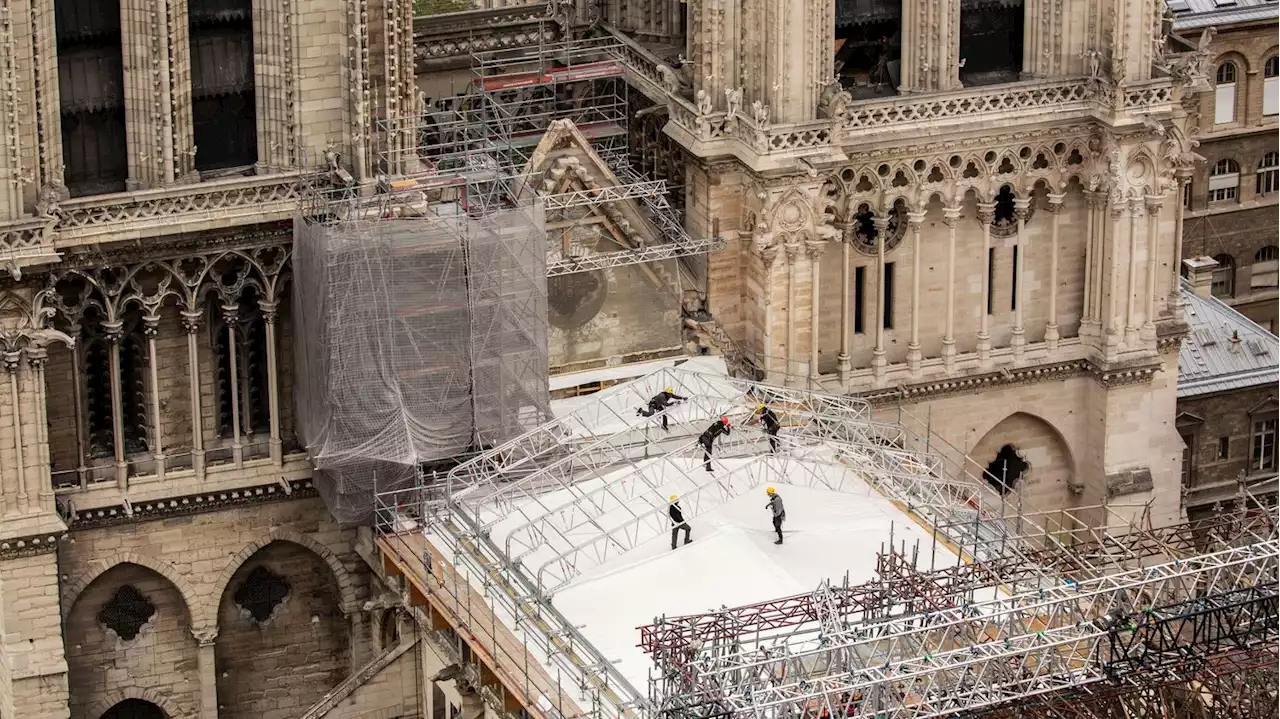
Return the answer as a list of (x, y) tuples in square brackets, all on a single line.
[(969, 607)]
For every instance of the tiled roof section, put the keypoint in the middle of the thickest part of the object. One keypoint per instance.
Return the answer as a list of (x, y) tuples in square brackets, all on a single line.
[(1196, 14), (1223, 350)]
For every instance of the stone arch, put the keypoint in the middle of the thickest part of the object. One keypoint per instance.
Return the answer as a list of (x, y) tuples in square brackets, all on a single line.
[(128, 635), (1243, 65), (200, 619), (161, 701), (346, 588), (282, 618), (1049, 480)]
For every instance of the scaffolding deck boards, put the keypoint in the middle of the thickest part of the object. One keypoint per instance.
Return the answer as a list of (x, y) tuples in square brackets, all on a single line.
[(455, 597)]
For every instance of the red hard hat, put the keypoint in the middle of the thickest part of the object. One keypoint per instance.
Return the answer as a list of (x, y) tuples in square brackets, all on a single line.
[(724, 420)]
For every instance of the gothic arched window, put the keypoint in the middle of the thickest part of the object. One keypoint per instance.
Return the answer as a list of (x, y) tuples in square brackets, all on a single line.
[(91, 96), (250, 373), (223, 112), (133, 389)]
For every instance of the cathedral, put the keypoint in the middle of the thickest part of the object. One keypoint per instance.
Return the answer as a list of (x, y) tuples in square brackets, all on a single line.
[(966, 212)]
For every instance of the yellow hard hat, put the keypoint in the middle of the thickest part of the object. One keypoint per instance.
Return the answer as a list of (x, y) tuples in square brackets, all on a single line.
[(769, 491), (760, 406), (673, 498), (668, 389)]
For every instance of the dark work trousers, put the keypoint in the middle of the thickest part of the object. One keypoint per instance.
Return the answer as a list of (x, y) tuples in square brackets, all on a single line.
[(706, 453), (773, 439), (664, 422), (675, 531), (777, 527)]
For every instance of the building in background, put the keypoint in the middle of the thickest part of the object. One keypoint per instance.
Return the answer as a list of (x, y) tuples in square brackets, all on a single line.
[(1231, 201), (1228, 370)]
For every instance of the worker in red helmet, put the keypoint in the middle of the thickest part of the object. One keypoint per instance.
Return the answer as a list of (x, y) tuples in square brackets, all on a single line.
[(708, 438)]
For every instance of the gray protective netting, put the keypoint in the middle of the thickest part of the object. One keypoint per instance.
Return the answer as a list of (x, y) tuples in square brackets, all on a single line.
[(419, 339)]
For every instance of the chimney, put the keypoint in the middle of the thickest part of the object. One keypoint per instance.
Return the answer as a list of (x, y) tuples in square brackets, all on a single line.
[(1199, 271), (1234, 346)]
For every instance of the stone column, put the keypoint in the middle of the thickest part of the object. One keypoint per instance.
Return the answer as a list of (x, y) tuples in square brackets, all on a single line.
[(770, 256), (814, 249), (916, 219), (12, 119), (112, 333), (150, 328), (78, 402), (1023, 242), (843, 364), (1175, 279), (1154, 204), (1091, 309), (191, 323), (231, 316), (1055, 214), (37, 357), (183, 140), (793, 256), (12, 364), (269, 315), (1131, 286), (878, 360), (144, 38), (45, 99), (206, 663), (950, 218), (1113, 321), (930, 46), (986, 213)]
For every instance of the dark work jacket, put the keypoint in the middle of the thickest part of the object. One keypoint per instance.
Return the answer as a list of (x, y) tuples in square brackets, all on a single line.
[(769, 420), (713, 431), (660, 400), (677, 517)]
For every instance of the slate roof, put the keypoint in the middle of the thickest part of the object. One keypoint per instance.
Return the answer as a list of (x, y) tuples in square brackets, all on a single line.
[(1210, 360), (1203, 13)]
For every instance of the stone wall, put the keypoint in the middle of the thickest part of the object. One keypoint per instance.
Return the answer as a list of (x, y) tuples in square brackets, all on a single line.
[(1227, 424), (278, 653), (205, 556), (32, 637), (160, 655)]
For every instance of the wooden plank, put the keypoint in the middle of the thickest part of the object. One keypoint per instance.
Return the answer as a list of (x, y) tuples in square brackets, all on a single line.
[(492, 642)]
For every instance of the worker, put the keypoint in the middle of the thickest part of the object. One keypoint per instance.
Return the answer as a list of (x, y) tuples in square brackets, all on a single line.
[(708, 438), (779, 514), (771, 425), (659, 402), (677, 521)]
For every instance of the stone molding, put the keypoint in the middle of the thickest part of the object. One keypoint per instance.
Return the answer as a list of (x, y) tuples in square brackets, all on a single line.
[(31, 546), (346, 587), (190, 504), (200, 618)]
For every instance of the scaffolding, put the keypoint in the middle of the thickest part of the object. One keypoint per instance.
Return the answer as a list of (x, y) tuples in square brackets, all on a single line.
[(1086, 612)]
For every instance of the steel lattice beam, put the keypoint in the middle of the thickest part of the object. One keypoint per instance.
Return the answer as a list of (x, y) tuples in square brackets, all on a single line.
[(601, 195), (620, 258), (966, 657)]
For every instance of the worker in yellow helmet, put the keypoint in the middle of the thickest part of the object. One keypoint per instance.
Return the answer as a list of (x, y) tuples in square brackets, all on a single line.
[(771, 425), (658, 403), (677, 522), (779, 513)]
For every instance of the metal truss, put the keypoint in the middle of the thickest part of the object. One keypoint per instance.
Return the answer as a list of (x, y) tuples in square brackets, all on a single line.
[(599, 196), (962, 658), (639, 255)]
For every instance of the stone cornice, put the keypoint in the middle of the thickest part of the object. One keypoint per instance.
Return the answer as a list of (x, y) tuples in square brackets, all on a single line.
[(191, 504), (273, 233), (1108, 377), (31, 546)]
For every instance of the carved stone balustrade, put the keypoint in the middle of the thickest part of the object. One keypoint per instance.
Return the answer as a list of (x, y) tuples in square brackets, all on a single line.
[(26, 242), (446, 41), (174, 210)]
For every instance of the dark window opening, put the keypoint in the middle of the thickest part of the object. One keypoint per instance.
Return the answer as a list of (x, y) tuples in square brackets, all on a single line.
[(1224, 447), (990, 41), (261, 592), (91, 96), (1188, 460), (859, 297), (1006, 469), (869, 46), (133, 390), (888, 295), (991, 278), (250, 378), (223, 113), (134, 709), (866, 226), (1004, 211), (126, 612), (1013, 288)]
